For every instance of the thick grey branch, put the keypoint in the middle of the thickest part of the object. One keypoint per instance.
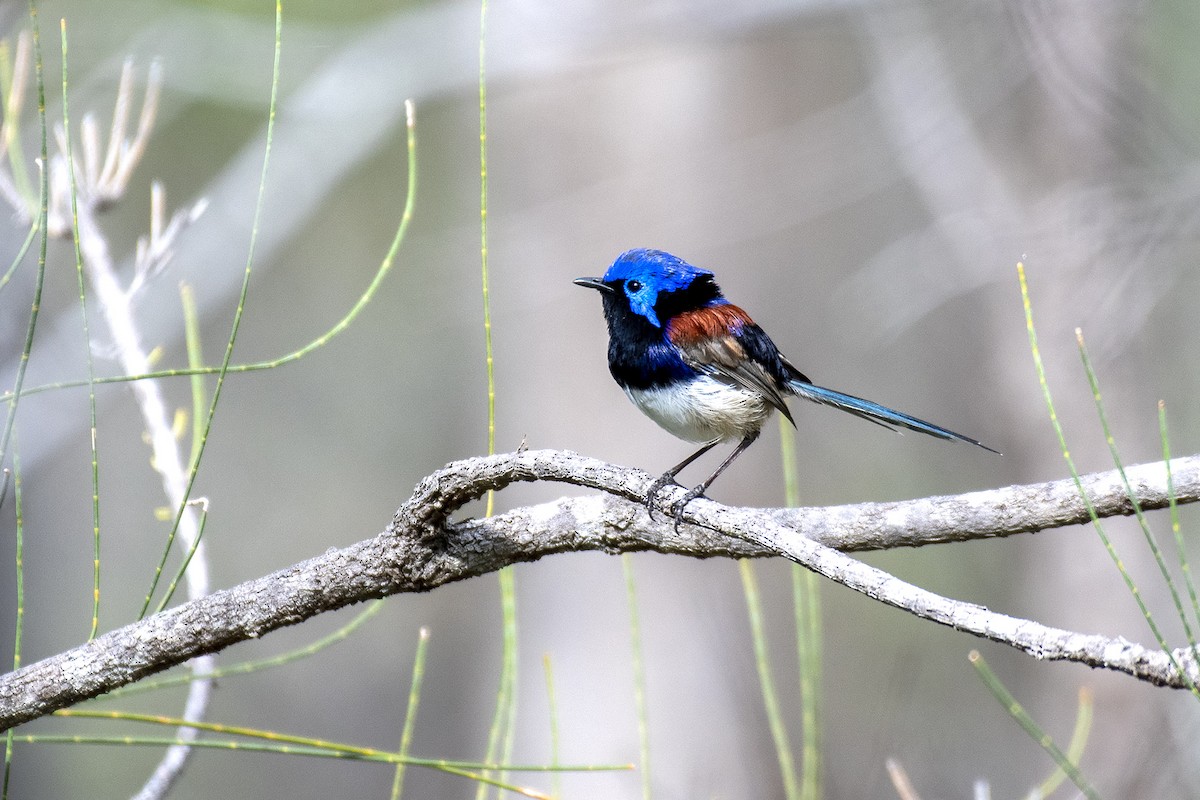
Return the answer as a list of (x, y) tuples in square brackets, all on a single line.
[(995, 512), (420, 550)]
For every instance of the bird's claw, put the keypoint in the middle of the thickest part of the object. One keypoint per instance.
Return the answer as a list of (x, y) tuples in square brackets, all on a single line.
[(678, 507), (674, 509), (655, 488)]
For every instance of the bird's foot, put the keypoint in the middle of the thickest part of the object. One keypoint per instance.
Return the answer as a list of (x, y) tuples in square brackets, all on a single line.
[(677, 508), (666, 479)]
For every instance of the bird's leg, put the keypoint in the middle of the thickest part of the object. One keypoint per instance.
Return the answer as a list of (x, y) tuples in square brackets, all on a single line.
[(699, 490), (669, 475)]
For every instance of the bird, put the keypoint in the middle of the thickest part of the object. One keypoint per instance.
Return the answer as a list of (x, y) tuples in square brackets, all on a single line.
[(699, 366)]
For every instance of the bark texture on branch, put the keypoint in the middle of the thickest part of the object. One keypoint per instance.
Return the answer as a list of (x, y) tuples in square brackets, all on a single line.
[(421, 550)]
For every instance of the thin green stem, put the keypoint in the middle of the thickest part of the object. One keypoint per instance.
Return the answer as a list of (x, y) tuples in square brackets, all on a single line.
[(16, 262), (1087, 502), (1143, 523), (20, 587), (483, 241), (504, 714), (639, 673), (762, 660), (315, 344), (187, 559), (238, 312), (319, 748), (247, 667), (1176, 529), (1078, 743), (469, 769), (552, 703), (87, 341), (43, 213), (195, 356), (508, 608), (1018, 713), (11, 419), (806, 605), (191, 335), (182, 372), (410, 714), (502, 733)]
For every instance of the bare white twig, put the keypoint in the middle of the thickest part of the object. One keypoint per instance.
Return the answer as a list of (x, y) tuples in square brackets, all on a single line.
[(123, 155), (155, 250), (99, 185)]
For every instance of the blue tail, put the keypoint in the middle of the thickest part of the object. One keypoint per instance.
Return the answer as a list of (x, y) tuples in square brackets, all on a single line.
[(873, 412)]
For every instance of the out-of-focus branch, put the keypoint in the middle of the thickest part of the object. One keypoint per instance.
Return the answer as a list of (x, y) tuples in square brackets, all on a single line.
[(22, 202), (100, 180), (421, 550)]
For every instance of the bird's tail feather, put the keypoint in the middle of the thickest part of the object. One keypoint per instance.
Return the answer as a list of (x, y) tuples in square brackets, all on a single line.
[(874, 412)]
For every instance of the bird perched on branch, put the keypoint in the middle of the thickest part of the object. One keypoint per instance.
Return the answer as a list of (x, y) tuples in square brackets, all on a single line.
[(698, 365)]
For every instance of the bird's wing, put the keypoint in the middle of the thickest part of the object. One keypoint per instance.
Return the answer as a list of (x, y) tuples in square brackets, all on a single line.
[(714, 341), (792, 373)]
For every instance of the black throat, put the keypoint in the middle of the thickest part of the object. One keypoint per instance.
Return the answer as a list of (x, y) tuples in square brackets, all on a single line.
[(639, 354)]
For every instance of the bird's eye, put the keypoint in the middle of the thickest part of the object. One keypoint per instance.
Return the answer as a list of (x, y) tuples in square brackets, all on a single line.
[(633, 286)]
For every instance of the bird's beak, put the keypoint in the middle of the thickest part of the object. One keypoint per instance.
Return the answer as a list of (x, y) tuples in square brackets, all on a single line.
[(594, 283)]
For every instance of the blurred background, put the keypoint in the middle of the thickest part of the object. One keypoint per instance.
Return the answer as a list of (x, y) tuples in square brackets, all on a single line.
[(862, 177)]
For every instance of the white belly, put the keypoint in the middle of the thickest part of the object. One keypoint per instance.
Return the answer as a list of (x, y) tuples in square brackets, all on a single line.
[(703, 409)]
